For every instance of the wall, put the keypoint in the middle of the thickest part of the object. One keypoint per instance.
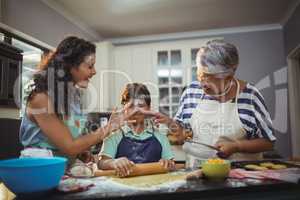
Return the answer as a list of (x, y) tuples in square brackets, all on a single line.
[(291, 31), (98, 97), (263, 63), (36, 19)]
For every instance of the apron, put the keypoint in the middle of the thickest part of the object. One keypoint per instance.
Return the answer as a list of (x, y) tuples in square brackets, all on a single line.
[(140, 151), (213, 122)]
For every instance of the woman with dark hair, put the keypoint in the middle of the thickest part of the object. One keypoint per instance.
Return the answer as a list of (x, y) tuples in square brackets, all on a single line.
[(138, 141), (53, 123), (221, 110)]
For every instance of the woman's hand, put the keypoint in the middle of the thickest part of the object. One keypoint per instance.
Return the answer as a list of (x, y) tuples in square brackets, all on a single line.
[(160, 118), (168, 164), (123, 166), (119, 118), (116, 120), (86, 157), (227, 148)]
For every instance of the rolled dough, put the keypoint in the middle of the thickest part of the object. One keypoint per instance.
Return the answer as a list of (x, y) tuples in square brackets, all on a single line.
[(151, 180)]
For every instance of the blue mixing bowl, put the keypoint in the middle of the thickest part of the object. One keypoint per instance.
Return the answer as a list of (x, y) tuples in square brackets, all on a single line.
[(26, 175)]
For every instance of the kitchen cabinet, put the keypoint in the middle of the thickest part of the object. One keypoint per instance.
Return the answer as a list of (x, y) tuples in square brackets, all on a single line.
[(10, 69), (171, 66), (133, 64), (165, 67)]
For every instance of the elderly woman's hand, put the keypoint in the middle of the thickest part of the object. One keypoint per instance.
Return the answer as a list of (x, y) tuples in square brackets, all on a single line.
[(86, 157), (227, 148)]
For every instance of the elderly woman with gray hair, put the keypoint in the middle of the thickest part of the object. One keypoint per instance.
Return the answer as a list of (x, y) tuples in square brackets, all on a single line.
[(221, 111)]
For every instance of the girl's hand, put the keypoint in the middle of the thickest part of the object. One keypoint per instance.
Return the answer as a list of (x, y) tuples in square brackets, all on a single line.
[(123, 166), (160, 118), (168, 164), (227, 148), (116, 120)]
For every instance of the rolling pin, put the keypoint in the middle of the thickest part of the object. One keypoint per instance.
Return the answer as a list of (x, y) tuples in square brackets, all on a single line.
[(139, 170)]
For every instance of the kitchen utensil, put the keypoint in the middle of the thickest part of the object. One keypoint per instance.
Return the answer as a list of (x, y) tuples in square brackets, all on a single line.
[(216, 170), (140, 169), (203, 144), (26, 175)]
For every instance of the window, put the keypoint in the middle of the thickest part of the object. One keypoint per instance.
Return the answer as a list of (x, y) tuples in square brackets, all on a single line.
[(193, 64), (17, 69), (31, 58), (170, 80), (31, 54)]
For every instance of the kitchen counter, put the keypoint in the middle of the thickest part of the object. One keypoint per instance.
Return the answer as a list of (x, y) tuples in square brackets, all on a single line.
[(196, 189)]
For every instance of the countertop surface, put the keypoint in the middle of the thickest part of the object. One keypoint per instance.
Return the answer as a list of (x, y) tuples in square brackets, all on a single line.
[(194, 189), (230, 188)]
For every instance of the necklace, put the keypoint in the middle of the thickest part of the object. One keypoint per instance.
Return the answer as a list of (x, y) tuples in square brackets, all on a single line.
[(223, 93)]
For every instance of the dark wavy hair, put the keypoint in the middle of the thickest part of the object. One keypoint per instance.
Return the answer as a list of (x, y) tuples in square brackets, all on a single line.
[(135, 91), (55, 70)]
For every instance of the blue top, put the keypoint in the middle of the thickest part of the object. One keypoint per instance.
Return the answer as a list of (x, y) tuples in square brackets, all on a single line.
[(111, 143), (252, 110), (32, 136)]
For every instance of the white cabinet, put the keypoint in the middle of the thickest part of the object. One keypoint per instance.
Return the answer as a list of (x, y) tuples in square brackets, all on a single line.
[(164, 67), (134, 64), (175, 68), (170, 70)]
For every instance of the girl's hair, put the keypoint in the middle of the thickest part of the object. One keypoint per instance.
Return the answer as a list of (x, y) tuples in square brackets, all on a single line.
[(54, 76), (135, 91)]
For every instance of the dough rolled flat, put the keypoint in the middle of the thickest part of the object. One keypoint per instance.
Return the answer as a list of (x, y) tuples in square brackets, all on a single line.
[(151, 180)]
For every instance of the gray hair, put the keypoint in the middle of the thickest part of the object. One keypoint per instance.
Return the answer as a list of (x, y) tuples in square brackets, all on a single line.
[(218, 56)]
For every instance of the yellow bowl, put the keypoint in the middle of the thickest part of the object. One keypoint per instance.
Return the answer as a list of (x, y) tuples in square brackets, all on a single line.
[(216, 170)]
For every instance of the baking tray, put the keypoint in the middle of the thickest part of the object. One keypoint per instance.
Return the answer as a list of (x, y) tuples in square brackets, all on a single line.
[(242, 164)]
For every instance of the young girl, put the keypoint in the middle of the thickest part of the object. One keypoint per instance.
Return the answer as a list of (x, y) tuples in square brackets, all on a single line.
[(138, 141)]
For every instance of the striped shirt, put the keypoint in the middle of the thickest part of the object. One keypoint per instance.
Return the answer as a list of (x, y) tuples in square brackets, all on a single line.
[(252, 110)]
